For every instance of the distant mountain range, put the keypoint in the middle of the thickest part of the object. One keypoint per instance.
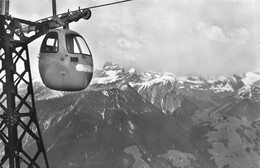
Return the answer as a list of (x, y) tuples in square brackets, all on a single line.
[(166, 90), (152, 120)]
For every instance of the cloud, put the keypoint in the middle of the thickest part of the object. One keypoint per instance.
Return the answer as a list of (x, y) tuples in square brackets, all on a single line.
[(179, 36), (125, 44), (218, 34)]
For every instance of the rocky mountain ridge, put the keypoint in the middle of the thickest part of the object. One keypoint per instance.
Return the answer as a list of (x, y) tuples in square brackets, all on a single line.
[(166, 90)]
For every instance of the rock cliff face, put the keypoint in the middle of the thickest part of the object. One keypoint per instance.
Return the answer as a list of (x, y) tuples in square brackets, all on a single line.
[(152, 120)]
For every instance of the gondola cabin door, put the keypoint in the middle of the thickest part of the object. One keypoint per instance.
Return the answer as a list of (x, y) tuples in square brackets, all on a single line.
[(65, 61)]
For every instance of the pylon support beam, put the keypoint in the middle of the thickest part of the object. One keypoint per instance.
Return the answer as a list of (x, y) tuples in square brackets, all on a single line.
[(19, 127)]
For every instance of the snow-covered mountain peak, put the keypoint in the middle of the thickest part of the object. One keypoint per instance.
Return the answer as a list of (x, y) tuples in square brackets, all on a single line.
[(113, 70), (155, 77), (110, 73), (149, 75), (112, 66), (251, 88), (250, 78), (113, 75), (106, 77)]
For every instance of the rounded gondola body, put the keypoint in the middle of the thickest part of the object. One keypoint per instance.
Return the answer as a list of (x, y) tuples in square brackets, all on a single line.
[(65, 61)]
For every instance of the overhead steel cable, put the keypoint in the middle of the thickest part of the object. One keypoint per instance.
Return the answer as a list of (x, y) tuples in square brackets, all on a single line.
[(108, 4)]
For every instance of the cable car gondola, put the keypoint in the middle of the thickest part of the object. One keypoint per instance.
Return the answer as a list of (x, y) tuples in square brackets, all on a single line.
[(65, 61)]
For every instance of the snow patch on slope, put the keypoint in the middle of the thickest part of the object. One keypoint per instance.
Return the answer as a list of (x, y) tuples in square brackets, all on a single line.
[(132, 70), (220, 88)]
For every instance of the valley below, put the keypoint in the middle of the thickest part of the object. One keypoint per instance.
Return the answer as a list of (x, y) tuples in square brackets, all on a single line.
[(152, 120)]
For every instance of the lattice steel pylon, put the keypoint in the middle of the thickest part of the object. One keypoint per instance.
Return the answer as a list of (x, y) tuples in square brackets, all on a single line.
[(20, 136), (19, 127)]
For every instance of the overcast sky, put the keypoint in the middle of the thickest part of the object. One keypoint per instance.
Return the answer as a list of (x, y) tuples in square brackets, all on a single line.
[(207, 37)]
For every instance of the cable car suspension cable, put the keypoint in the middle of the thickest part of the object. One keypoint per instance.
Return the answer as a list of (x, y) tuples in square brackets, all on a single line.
[(108, 4)]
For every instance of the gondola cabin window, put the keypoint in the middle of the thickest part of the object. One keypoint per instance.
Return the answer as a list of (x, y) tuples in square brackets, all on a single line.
[(50, 43), (76, 44)]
